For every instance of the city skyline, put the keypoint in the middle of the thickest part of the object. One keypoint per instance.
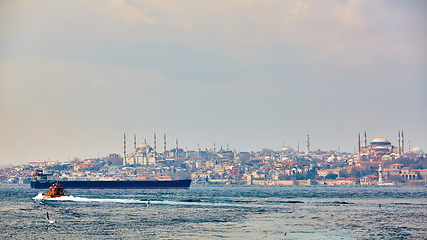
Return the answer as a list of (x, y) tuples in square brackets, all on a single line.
[(130, 147), (251, 74)]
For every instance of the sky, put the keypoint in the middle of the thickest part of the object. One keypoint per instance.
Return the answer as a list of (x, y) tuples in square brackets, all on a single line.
[(76, 75)]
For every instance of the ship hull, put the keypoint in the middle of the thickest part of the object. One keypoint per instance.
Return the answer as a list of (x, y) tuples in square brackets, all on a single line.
[(115, 184), (48, 196)]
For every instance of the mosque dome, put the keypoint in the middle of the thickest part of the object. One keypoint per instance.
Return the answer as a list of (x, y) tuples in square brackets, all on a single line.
[(144, 145), (417, 150), (380, 141), (143, 148), (332, 158), (287, 148)]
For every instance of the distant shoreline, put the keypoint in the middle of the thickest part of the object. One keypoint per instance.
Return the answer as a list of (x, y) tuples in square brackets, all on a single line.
[(264, 186)]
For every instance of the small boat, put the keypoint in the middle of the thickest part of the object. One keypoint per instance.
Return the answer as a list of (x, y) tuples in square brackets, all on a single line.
[(55, 191)]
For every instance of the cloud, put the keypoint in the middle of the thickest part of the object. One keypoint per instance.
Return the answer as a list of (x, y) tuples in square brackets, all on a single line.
[(131, 13), (350, 14), (26, 3), (101, 82), (120, 9), (148, 78), (39, 132), (186, 24), (298, 9), (356, 62), (7, 70), (65, 64), (244, 30)]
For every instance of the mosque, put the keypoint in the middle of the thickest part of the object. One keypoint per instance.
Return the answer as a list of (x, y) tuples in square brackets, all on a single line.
[(417, 150), (289, 149), (144, 155), (382, 149)]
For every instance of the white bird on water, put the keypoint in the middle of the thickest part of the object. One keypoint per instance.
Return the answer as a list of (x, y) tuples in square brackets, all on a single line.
[(50, 221)]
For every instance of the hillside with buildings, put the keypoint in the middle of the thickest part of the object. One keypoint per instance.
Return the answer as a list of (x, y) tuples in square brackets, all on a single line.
[(377, 163)]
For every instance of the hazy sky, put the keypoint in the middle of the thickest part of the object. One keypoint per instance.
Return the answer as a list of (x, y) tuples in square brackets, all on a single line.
[(76, 75)]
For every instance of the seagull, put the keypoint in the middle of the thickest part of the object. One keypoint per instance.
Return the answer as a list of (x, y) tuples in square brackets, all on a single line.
[(379, 206), (50, 221), (148, 203)]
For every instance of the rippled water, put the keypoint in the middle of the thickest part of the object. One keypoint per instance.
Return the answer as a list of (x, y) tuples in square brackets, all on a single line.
[(218, 213)]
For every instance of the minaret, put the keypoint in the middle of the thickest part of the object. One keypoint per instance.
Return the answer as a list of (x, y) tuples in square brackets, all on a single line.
[(298, 146), (380, 174), (409, 146), (307, 145), (154, 144), (176, 150), (398, 144), (283, 144), (145, 141), (134, 142), (214, 147), (124, 149), (402, 141), (228, 148), (198, 147), (358, 145), (365, 143), (164, 143)]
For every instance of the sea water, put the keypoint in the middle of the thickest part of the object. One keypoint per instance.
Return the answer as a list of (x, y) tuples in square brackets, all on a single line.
[(217, 213)]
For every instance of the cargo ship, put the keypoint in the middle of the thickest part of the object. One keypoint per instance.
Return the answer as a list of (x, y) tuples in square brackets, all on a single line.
[(44, 179)]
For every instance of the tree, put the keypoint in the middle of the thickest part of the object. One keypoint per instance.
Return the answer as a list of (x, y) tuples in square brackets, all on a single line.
[(299, 176), (331, 176), (343, 173), (311, 174), (355, 173)]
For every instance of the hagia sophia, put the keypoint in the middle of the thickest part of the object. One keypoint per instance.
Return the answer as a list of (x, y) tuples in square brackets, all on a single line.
[(380, 149)]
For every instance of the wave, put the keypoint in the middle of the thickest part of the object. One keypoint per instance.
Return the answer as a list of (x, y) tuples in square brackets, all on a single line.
[(191, 200), (342, 203), (218, 204), (294, 202)]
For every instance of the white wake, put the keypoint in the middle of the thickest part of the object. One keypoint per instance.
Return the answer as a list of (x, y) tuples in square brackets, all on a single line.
[(80, 199), (39, 197)]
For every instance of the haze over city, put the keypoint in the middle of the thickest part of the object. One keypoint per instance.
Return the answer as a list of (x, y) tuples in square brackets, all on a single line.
[(75, 76)]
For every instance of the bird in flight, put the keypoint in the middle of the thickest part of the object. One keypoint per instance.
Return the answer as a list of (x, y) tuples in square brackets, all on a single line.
[(50, 221)]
